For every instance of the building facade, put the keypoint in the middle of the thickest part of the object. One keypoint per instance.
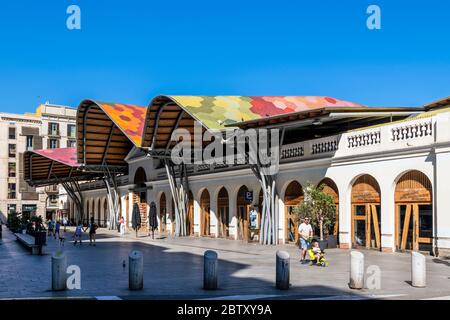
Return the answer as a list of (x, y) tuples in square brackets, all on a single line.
[(389, 181), (51, 126)]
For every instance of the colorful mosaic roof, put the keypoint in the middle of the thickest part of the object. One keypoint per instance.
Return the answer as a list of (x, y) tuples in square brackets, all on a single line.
[(217, 111), (67, 156), (128, 117)]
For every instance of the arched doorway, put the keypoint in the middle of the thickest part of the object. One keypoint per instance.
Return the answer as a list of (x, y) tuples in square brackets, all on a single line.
[(140, 193), (190, 214), (162, 213), (243, 214), (205, 213), (330, 188), (366, 213), (223, 213), (414, 212), (293, 197)]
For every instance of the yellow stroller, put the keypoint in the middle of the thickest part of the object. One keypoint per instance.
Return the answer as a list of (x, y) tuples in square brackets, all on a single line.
[(321, 262)]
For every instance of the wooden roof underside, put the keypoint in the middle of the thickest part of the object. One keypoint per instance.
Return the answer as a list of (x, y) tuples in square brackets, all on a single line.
[(100, 142), (42, 171)]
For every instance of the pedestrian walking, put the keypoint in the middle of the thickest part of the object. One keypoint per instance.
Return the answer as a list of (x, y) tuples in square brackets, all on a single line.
[(62, 238), (122, 226), (92, 231), (305, 234), (64, 221), (78, 233), (57, 228), (50, 227)]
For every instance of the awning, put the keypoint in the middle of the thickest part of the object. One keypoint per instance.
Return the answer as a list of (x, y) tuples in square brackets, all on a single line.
[(53, 166), (166, 113), (107, 132)]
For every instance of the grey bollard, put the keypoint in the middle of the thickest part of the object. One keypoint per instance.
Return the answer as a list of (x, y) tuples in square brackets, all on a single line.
[(210, 266), (136, 270), (356, 270), (418, 270), (59, 271), (282, 270)]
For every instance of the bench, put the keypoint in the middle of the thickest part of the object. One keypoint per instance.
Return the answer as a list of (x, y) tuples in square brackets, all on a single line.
[(29, 242)]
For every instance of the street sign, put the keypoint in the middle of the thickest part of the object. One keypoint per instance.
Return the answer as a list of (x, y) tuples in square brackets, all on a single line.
[(249, 196)]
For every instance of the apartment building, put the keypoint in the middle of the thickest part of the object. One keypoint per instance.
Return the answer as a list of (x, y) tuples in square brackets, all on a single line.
[(51, 126)]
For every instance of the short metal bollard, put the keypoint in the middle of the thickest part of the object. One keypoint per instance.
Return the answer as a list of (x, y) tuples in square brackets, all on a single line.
[(282, 270), (59, 271), (210, 266), (418, 270), (136, 270), (356, 270)]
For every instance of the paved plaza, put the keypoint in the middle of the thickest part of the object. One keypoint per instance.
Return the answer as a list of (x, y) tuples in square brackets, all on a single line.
[(174, 266)]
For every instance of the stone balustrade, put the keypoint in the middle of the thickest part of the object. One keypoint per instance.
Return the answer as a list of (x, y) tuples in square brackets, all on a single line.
[(412, 130)]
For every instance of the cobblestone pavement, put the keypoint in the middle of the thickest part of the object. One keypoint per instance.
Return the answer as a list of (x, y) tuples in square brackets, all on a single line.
[(174, 266)]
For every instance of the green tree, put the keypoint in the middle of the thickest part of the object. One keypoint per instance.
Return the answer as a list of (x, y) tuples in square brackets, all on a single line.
[(319, 207)]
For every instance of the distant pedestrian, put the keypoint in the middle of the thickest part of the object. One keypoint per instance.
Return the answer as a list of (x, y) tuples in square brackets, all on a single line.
[(92, 231), (64, 221), (62, 237), (122, 226), (50, 227), (78, 232), (57, 228)]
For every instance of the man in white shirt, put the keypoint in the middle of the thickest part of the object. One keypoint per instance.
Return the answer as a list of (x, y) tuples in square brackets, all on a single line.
[(305, 234)]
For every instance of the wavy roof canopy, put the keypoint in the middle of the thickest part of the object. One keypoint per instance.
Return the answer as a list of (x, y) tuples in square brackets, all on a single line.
[(107, 132), (217, 112), (51, 166), (438, 103)]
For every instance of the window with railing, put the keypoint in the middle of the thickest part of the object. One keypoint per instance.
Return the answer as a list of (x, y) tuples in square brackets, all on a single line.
[(12, 169), (11, 190), (52, 143), (71, 131), (71, 143), (12, 150), (12, 133), (53, 129)]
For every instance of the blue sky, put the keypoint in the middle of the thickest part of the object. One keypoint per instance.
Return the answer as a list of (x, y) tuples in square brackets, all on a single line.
[(129, 51)]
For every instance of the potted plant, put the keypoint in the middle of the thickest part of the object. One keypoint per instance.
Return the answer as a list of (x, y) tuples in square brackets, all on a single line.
[(321, 210)]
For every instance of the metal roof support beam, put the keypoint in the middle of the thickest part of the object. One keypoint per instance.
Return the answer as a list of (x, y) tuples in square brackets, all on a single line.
[(155, 128), (105, 153), (179, 193), (50, 169), (113, 196), (177, 123)]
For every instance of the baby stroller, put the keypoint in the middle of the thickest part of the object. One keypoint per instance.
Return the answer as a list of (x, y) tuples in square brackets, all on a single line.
[(321, 262)]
